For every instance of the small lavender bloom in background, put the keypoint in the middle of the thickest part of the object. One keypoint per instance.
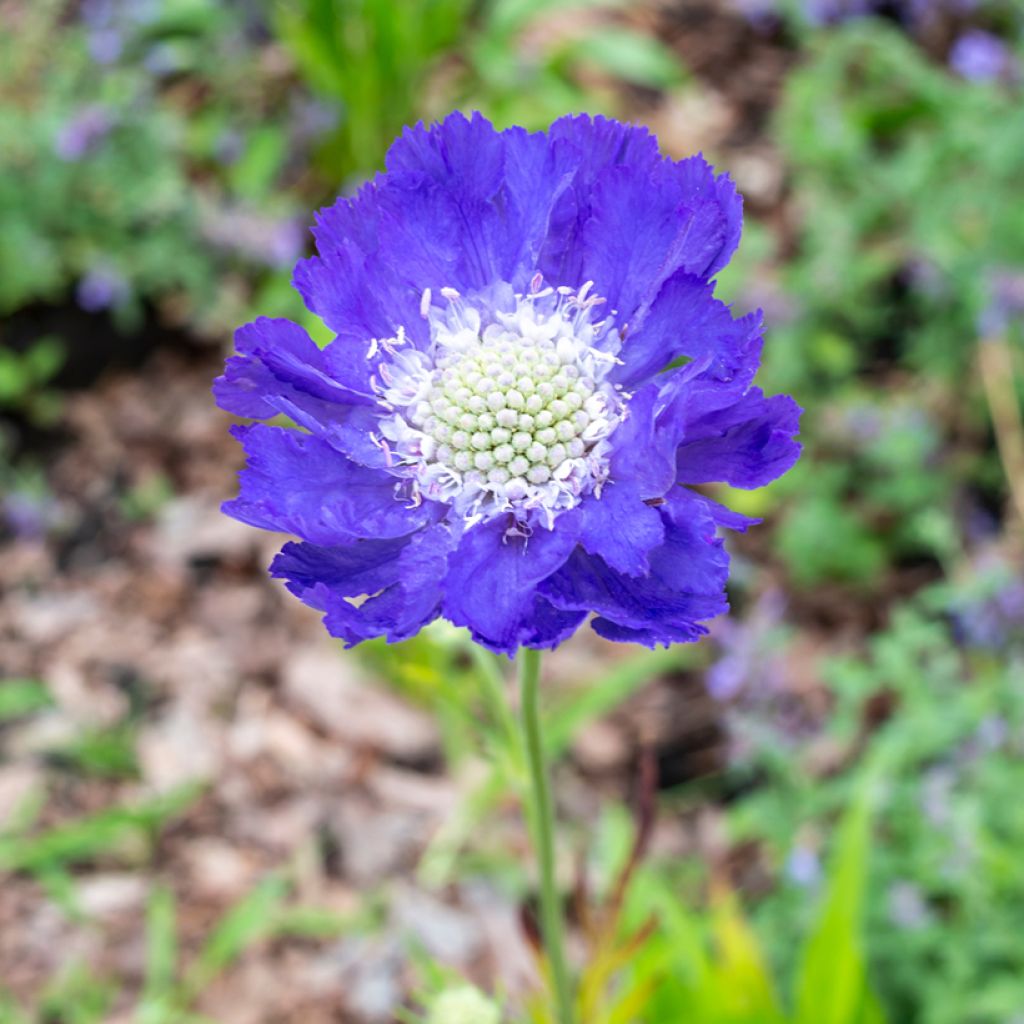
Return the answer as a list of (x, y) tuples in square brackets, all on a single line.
[(83, 132), (907, 906), (762, 14), (494, 436), (272, 241), (311, 119), (105, 45), (747, 657), (287, 238), (229, 146), (162, 60), (990, 615), (830, 12), (822, 13), (101, 288), (1005, 302), (937, 795), (981, 56), (803, 867), (28, 515)]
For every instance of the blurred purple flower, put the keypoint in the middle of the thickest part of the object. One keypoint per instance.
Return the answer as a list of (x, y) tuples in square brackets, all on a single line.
[(83, 132), (96, 13), (936, 793), (1005, 301), (763, 15), (993, 730), (829, 12), (272, 241), (229, 146), (863, 422), (746, 645), (981, 56), (101, 288), (803, 867), (286, 241), (311, 118), (105, 45), (101, 14), (28, 516), (909, 13), (991, 620), (162, 60), (907, 906)]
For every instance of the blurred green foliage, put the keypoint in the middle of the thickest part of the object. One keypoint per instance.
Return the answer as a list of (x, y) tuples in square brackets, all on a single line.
[(909, 244), (386, 65), (117, 182), (908, 190), (946, 884)]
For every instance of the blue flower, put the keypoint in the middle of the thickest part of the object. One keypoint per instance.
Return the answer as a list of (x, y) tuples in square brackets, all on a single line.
[(981, 56), (529, 373), (83, 133), (100, 288)]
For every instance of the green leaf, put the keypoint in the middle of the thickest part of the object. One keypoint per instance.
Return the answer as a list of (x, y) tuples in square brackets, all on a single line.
[(161, 948), (19, 697), (249, 921), (632, 56), (110, 831), (831, 985)]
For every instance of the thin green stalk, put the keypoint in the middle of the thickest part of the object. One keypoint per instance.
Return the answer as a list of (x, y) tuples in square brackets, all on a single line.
[(542, 815)]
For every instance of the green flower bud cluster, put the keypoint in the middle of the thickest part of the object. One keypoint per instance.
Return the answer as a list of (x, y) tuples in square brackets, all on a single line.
[(463, 1005), (508, 409)]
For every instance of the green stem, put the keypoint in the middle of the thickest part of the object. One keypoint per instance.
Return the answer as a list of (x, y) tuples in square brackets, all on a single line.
[(542, 815)]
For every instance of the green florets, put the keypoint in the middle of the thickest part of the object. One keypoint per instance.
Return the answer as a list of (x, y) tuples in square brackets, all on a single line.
[(507, 410), (463, 1005)]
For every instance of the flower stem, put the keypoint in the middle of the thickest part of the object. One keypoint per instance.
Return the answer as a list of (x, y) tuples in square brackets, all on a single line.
[(542, 817)]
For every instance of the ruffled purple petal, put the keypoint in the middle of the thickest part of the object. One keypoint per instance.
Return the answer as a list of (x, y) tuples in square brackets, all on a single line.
[(455, 174), (604, 142), (684, 587), (403, 575), (377, 252), (641, 455), (685, 320), (544, 626), (746, 444), (619, 527), (298, 484), (646, 223), (279, 371), (724, 517), (277, 357), (598, 143), (492, 579)]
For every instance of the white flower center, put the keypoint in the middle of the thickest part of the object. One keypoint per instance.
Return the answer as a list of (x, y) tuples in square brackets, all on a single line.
[(509, 409)]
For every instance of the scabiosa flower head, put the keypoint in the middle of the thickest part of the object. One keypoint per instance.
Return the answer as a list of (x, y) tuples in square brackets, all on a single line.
[(529, 372)]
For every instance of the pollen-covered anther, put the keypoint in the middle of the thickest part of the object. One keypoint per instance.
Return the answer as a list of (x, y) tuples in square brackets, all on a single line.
[(509, 409)]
